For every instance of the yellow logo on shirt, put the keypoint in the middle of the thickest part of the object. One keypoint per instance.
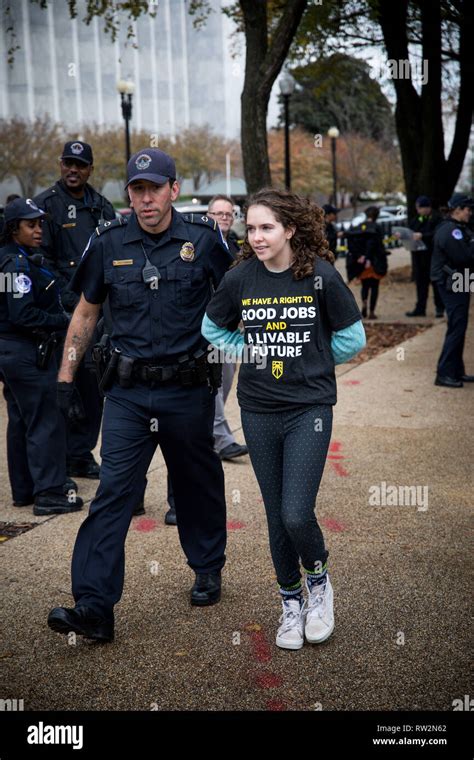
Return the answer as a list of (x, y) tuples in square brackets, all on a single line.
[(277, 369)]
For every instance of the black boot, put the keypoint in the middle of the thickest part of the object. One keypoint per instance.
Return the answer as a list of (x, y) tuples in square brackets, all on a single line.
[(206, 589), (83, 468), (83, 621), (170, 517), (139, 509), (70, 485), (55, 503)]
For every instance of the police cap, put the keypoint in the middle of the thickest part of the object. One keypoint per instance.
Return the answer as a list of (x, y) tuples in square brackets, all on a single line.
[(22, 208), (78, 150), (152, 164), (460, 200)]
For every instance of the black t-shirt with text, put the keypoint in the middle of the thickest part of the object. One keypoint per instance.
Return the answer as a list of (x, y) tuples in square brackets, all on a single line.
[(288, 323)]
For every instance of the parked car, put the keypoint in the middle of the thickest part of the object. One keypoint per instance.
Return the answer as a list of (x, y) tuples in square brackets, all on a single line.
[(399, 218)]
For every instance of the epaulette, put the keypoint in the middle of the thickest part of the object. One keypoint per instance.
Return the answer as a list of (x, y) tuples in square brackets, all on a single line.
[(200, 219), (106, 226)]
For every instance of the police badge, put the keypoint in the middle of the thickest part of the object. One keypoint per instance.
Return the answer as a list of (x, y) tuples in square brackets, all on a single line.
[(187, 252)]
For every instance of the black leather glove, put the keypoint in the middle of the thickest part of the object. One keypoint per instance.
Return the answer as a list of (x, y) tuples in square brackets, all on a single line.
[(69, 299), (70, 402)]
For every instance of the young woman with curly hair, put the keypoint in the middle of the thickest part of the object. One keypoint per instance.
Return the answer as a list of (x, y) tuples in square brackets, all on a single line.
[(300, 319)]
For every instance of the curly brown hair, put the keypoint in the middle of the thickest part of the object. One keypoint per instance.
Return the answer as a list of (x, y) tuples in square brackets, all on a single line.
[(309, 240)]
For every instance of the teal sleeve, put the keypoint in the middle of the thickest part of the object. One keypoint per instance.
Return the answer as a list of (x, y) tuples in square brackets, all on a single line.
[(224, 340), (348, 342)]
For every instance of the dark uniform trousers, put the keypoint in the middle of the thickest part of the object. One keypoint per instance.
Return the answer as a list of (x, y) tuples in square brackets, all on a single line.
[(184, 421), (450, 363), (35, 431), (421, 270)]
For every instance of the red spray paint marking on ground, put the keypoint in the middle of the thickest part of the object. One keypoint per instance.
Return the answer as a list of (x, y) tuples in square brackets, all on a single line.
[(334, 448), (235, 525), (340, 469), (351, 382), (333, 525), (145, 524), (275, 705), (258, 640), (268, 680)]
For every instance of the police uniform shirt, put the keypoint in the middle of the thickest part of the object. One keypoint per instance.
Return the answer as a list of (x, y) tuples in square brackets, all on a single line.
[(33, 301), (290, 323), (70, 224), (453, 247), (154, 323), (427, 226)]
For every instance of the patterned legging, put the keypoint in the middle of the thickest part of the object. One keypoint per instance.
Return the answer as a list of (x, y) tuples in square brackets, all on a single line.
[(288, 452)]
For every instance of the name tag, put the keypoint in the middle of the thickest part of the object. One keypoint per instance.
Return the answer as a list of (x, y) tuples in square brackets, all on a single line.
[(122, 262), (70, 224)]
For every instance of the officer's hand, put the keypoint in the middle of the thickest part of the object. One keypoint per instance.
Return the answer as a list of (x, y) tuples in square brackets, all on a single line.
[(70, 403), (69, 299)]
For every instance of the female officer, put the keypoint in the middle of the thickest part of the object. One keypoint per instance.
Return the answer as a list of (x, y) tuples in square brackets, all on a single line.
[(31, 321), (299, 319)]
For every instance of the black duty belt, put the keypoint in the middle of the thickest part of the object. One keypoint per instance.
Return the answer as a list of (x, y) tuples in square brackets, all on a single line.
[(187, 371), (157, 374)]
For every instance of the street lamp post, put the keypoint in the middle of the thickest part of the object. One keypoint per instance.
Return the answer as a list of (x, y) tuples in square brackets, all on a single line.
[(126, 89), (333, 133), (287, 88)]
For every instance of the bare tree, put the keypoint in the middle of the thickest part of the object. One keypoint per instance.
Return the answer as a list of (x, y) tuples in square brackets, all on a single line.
[(30, 151)]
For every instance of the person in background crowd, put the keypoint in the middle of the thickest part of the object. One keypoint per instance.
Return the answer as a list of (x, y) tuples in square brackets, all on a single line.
[(74, 210), (374, 262), (221, 208), (32, 321), (424, 225), (330, 215), (452, 266)]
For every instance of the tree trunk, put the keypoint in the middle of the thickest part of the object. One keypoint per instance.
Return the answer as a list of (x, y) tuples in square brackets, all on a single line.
[(263, 63), (419, 118)]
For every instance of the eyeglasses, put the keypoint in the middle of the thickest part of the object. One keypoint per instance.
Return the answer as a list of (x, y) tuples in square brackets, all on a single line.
[(221, 214)]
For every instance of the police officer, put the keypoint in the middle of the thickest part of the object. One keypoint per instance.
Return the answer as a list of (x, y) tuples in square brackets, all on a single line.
[(451, 267), (158, 272), (332, 235), (75, 209), (31, 320), (424, 225)]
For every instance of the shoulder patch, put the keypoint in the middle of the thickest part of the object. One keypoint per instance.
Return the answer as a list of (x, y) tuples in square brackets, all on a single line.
[(106, 226), (23, 283), (457, 234), (200, 219)]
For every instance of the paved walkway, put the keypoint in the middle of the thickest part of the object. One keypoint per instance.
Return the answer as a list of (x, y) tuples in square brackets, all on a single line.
[(400, 572)]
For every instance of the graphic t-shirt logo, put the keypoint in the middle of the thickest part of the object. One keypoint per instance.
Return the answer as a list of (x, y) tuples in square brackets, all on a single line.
[(278, 327), (277, 369)]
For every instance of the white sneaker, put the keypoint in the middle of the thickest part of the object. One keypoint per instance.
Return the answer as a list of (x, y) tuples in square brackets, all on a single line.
[(320, 612), (290, 633)]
